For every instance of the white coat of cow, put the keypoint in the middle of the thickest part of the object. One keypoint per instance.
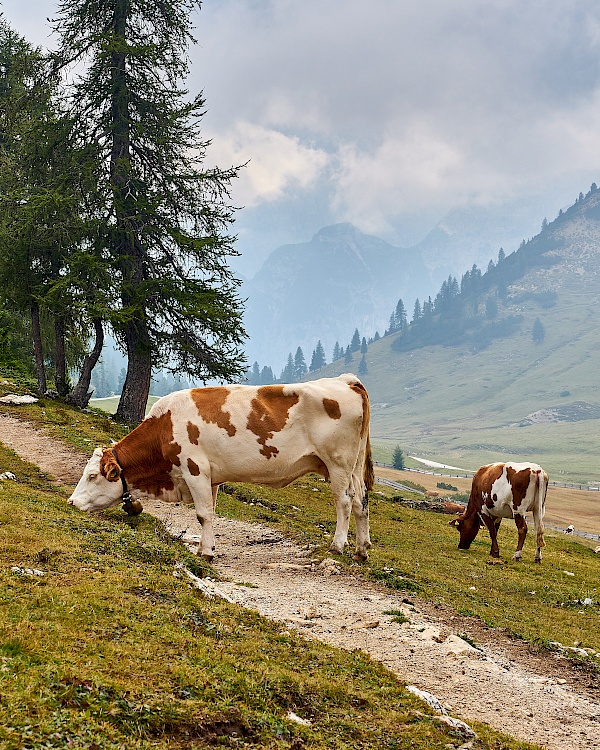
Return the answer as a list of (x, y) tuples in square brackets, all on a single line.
[(193, 440)]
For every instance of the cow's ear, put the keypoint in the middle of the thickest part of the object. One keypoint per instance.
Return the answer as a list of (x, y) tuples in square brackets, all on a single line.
[(112, 470)]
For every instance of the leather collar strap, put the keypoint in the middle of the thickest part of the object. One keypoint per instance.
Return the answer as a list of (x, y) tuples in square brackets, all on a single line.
[(126, 497)]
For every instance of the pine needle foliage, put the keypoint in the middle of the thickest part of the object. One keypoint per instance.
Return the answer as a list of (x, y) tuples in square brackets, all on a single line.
[(165, 216)]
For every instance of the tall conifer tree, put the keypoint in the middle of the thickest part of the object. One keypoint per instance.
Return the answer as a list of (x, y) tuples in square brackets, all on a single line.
[(165, 216)]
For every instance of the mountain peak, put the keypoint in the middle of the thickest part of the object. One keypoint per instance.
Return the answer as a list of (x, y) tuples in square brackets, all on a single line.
[(336, 231)]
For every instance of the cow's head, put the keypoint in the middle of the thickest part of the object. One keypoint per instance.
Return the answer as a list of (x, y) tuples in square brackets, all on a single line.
[(100, 486), (467, 526)]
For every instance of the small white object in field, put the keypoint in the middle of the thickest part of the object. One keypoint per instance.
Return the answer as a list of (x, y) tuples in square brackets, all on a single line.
[(27, 571), (14, 400), (298, 719)]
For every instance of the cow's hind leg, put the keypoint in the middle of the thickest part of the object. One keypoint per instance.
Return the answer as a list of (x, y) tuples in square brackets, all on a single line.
[(360, 510), (343, 506), (203, 495), (521, 525), (539, 535)]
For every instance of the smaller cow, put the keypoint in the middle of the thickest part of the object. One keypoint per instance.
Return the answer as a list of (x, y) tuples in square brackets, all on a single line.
[(505, 490)]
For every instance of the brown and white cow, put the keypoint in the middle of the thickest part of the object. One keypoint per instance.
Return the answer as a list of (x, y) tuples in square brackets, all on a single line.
[(193, 440), (500, 491)]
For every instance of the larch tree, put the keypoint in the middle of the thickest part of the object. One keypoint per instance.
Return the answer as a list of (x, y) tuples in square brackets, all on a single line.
[(165, 217), (47, 267)]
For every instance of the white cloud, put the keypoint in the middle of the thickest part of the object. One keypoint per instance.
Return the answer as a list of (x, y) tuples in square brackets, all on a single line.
[(276, 162)]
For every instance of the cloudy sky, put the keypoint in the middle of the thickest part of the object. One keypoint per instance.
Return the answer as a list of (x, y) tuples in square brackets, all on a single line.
[(389, 113)]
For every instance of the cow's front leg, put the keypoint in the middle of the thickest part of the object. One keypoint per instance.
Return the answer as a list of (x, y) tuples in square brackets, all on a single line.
[(343, 507), (202, 493), (521, 525), (493, 524)]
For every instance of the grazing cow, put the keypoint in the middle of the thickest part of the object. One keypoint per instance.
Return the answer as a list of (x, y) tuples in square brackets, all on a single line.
[(193, 440), (505, 491)]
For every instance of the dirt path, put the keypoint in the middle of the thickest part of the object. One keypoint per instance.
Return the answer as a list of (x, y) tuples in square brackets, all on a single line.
[(538, 698)]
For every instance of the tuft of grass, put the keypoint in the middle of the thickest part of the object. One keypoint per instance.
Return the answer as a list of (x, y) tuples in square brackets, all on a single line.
[(397, 615)]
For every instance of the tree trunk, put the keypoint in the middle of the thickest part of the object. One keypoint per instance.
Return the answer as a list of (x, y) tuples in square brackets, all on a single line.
[(60, 358), (136, 389), (127, 248), (36, 331), (80, 396)]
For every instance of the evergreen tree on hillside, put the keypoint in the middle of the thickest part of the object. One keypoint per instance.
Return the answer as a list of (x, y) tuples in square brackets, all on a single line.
[(538, 331), (163, 216), (338, 352), (318, 358), (398, 459), (348, 355), (362, 366), (376, 337), (363, 346), (254, 378), (300, 368), (355, 343), (416, 311), (400, 316), (501, 255), (266, 376), (287, 374), (491, 308)]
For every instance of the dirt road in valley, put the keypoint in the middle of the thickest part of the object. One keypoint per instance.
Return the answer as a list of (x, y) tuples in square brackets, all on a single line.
[(533, 697)]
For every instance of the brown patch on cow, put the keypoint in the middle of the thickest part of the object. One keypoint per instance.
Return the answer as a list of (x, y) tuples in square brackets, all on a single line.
[(270, 413), (147, 455), (193, 433), (519, 481), (482, 484), (210, 402), (362, 391), (332, 408), (171, 453), (490, 499), (193, 468)]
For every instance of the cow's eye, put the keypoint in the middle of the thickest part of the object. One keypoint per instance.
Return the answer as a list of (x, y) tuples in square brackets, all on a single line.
[(91, 477)]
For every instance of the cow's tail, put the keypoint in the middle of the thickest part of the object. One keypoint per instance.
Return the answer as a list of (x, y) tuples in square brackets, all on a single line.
[(363, 476), (540, 507)]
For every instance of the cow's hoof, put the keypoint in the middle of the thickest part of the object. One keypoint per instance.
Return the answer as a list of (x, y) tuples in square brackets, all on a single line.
[(538, 561), (360, 556), (335, 550), (208, 558)]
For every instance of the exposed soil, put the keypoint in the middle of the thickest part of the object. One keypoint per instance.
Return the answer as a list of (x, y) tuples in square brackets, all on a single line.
[(538, 697)]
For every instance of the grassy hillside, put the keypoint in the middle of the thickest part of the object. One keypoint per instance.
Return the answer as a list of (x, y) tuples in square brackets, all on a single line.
[(514, 399), (107, 649)]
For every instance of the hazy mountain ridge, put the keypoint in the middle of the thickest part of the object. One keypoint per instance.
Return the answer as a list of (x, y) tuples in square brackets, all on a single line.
[(324, 289), (516, 398), (342, 278)]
